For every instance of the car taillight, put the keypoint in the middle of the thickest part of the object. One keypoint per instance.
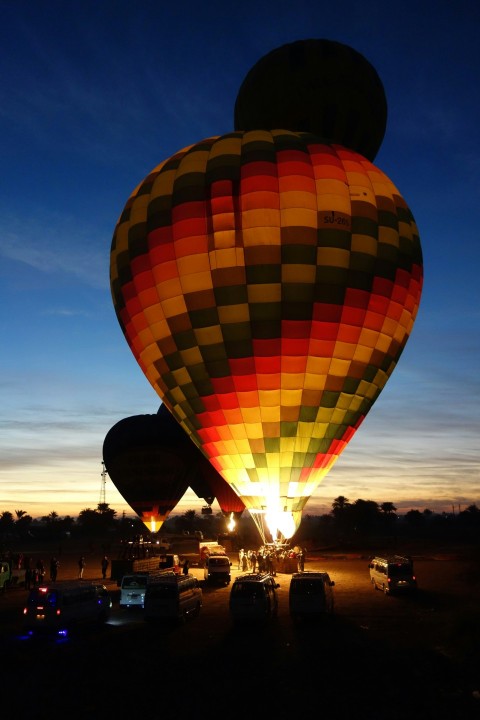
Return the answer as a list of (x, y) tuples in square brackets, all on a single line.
[(58, 612)]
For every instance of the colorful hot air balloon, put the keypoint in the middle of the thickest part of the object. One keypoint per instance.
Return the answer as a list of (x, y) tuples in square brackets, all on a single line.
[(267, 282), (144, 467)]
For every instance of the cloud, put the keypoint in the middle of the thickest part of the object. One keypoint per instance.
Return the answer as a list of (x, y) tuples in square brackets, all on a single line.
[(53, 243)]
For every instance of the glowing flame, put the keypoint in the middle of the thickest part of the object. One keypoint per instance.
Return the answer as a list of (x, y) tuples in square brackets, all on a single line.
[(231, 523), (153, 525), (280, 522)]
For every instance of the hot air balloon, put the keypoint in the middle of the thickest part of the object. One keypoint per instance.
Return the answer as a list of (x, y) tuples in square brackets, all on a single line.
[(317, 86), (144, 467), (267, 281)]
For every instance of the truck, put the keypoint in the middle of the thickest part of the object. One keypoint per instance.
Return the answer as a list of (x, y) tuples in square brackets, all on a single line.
[(10, 576), (194, 549), (166, 562)]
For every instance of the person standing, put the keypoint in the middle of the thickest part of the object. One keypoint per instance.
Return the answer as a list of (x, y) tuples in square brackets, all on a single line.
[(40, 568), (54, 569), (81, 566), (186, 565), (300, 561), (105, 564)]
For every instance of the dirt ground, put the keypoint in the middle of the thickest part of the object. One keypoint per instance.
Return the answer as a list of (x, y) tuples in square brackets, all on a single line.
[(377, 657)]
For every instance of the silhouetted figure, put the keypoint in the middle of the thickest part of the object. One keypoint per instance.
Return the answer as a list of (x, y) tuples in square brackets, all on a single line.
[(105, 564), (81, 566), (54, 568)]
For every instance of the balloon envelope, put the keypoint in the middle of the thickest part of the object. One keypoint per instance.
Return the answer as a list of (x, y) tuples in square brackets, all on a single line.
[(267, 283), (141, 461), (317, 86)]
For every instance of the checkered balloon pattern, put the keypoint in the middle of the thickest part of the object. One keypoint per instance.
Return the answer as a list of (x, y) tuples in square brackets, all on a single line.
[(267, 282)]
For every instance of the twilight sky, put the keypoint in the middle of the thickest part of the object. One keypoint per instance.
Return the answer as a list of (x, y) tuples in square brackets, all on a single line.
[(93, 95)]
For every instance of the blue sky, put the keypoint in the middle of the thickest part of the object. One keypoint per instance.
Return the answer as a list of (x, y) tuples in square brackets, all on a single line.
[(93, 95)]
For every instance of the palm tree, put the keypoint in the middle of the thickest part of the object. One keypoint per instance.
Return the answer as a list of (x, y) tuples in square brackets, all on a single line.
[(51, 518), (340, 504), (7, 523), (388, 508)]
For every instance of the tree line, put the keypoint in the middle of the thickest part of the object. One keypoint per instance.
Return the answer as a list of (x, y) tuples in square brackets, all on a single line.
[(346, 523)]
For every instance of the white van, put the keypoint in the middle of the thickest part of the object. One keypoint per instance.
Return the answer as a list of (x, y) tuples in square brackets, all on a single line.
[(132, 590), (392, 574), (254, 597), (217, 569), (172, 597), (310, 594), (62, 605)]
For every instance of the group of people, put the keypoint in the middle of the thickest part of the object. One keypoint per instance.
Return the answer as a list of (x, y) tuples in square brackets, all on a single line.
[(36, 571), (271, 560), (105, 562)]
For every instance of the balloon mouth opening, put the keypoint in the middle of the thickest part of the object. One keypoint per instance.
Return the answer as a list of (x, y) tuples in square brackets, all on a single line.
[(275, 526)]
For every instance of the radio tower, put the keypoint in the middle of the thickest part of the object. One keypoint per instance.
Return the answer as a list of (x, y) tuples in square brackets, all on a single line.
[(103, 499)]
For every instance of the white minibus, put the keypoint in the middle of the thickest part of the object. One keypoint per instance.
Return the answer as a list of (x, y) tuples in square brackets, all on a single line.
[(392, 574), (172, 597), (132, 590)]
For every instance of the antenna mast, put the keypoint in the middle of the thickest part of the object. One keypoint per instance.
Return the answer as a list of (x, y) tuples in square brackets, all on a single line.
[(103, 499)]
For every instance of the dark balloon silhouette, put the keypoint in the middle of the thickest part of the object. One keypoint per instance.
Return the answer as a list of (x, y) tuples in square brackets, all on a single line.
[(152, 462), (143, 464), (317, 86)]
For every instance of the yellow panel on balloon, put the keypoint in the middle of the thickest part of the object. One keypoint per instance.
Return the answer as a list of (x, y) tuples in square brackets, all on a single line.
[(254, 430), (174, 306), (178, 396), (194, 162), (209, 335), (298, 217), (336, 257), (258, 236), (389, 236), (291, 398), (365, 244), (193, 264), (264, 292), (266, 217), (298, 273)]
